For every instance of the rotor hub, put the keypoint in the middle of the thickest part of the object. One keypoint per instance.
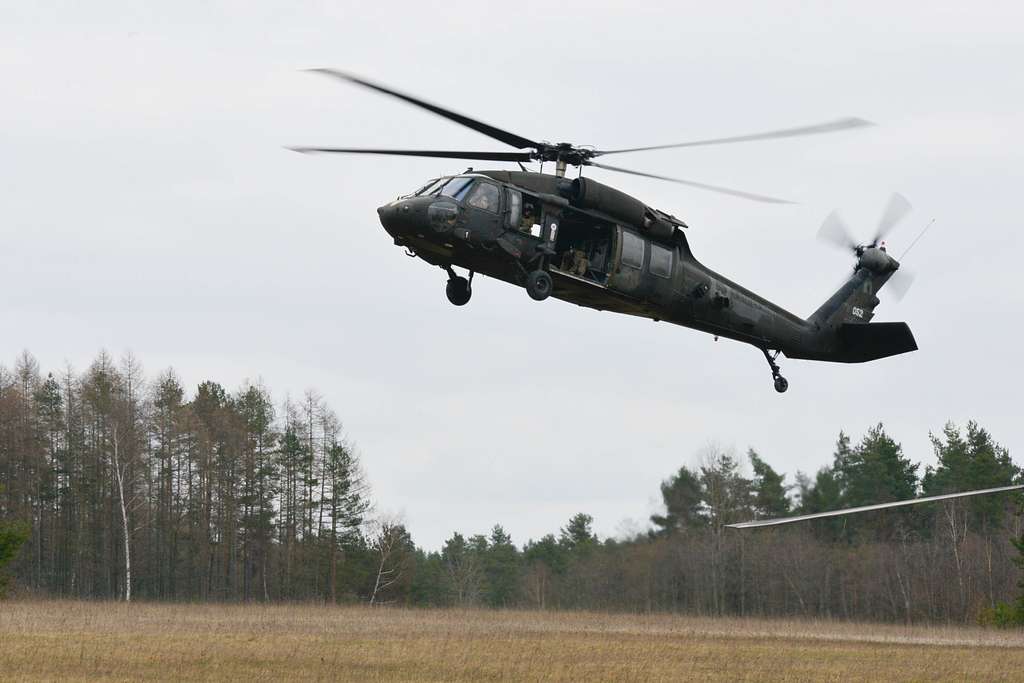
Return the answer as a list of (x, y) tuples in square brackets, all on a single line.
[(563, 152)]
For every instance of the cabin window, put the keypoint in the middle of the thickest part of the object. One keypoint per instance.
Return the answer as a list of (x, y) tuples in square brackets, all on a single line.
[(456, 187), (515, 207), (484, 196), (632, 250), (661, 261)]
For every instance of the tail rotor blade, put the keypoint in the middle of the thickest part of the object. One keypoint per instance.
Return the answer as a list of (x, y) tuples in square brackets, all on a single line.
[(895, 211), (900, 283), (834, 231)]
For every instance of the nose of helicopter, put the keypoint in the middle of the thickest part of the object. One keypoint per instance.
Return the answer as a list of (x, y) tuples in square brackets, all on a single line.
[(386, 214), (397, 218)]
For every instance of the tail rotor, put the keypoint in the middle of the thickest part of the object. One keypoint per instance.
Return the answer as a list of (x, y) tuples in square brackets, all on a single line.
[(835, 231)]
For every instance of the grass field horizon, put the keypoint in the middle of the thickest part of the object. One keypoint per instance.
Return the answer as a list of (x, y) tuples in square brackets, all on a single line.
[(60, 639)]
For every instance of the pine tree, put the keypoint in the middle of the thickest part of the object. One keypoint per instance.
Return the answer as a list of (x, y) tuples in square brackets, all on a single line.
[(1018, 603), (769, 488), (13, 535), (259, 487), (502, 569), (877, 471), (346, 504), (427, 587), (463, 571), (167, 424), (681, 495), (577, 535), (974, 462)]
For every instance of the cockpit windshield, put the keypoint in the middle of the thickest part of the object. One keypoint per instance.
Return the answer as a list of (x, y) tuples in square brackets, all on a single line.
[(456, 187), (430, 188)]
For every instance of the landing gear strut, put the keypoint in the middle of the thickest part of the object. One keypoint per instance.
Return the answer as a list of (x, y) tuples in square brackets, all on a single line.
[(781, 384), (459, 289)]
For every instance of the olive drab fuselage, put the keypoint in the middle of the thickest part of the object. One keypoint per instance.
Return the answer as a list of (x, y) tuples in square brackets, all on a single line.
[(606, 250)]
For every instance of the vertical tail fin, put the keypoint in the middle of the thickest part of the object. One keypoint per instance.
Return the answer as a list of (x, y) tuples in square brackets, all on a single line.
[(843, 319), (856, 299)]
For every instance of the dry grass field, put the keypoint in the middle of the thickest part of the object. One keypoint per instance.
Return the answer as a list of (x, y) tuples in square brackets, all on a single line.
[(112, 641)]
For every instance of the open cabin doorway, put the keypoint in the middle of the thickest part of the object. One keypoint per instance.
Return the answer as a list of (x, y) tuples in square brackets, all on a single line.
[(583, 247)]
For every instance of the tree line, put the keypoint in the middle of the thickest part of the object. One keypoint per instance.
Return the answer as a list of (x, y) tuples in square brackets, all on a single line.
[(129, 488), (125, 488), (955, 561)]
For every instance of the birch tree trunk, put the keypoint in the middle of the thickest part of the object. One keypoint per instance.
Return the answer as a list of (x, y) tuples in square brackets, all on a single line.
[(119, 474), (387, 546), (956, 538)]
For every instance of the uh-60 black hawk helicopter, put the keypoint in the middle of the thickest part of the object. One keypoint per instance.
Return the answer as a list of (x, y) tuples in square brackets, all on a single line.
[(590, 244)]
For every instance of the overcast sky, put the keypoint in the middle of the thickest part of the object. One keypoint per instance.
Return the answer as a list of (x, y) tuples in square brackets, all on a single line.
[(147, 204)]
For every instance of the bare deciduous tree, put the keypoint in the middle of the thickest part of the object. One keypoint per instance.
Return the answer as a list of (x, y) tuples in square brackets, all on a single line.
[(390, 542)]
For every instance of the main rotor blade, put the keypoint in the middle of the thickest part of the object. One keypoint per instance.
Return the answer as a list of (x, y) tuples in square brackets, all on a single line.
[(488, 130), (895, 211), (827, 127), (691, 183), (835, 231), (867, 508), (484, 156)]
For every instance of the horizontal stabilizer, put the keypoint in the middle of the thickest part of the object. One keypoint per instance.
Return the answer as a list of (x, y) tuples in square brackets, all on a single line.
[(862, 342), (868, 508)]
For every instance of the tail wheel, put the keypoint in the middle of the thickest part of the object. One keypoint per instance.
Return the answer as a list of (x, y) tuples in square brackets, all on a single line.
[(538, 285)]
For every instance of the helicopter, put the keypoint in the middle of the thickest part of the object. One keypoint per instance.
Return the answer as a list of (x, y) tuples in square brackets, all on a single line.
[(590, 244)]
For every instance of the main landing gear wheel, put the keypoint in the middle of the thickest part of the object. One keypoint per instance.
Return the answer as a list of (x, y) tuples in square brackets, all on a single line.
[(538, 285), (781, 383), (459, 289)]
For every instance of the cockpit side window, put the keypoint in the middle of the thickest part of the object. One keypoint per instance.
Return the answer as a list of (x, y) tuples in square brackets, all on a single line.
[(484, 196), (455, 187), (515, 207)]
